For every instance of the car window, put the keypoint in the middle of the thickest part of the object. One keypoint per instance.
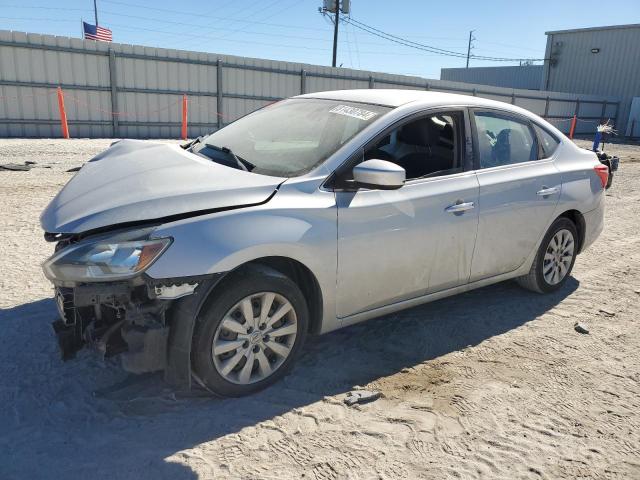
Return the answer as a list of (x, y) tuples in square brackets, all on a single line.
[(503, 140), (427, 146), (290, 137), (548, 142)]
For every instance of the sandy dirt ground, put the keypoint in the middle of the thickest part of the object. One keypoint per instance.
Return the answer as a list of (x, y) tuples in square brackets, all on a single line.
[(494, 383)]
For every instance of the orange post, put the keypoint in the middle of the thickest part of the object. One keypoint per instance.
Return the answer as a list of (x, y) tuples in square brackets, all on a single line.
[(184, 117), (573, 126), (63, 114)]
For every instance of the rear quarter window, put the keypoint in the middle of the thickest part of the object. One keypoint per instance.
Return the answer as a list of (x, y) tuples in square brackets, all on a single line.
[(548, 143)]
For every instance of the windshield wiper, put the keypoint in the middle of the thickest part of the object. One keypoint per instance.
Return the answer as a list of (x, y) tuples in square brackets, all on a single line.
[(190, 144), (243, 164)]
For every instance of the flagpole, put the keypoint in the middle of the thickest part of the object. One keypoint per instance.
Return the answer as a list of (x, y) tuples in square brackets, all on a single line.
[(81, 28), (95, 11)]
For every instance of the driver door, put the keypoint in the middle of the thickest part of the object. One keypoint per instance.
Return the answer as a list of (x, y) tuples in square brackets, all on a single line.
[(394, 245)]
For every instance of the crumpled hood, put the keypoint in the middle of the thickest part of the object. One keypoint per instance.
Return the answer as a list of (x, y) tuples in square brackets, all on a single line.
[(138, 180)]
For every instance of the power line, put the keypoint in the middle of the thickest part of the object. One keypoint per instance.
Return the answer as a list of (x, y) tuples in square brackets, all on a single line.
[(420, 46), (510, 46), (166, 10), (193, 25), (253, 14), (43, 19), (243, 28), (346, 31), (214, 17), (195, 36), (355, 36), (388, 36)]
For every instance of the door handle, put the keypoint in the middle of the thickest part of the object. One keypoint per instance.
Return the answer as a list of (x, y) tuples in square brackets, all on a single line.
[(547, 191), (460, 207)]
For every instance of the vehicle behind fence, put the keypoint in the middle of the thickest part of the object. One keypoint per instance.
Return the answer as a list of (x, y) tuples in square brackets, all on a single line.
[(118, 90)]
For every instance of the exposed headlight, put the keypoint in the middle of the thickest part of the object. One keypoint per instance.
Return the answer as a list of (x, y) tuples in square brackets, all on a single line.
[(104, 260)]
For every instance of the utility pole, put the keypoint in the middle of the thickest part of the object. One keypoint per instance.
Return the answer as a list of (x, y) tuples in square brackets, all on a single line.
[(471, 39), (95, 11), (335, 33), (335, 6)]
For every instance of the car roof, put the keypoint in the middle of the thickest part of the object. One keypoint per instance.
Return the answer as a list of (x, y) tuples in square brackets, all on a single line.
[(396, 97)]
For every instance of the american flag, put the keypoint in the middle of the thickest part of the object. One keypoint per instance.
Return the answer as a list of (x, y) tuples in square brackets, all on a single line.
[(94, 32)]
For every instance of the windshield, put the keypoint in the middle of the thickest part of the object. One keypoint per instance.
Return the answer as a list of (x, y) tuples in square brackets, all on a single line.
[(290, 137)]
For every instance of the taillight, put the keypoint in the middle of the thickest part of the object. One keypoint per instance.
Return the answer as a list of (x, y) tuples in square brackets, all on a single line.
[(603, 173)]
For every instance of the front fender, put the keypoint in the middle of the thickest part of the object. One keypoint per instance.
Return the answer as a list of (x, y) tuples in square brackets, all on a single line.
[(298, 225), (222, 242)]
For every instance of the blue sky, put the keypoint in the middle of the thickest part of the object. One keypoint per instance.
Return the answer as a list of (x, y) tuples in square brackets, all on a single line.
[(294, 30)]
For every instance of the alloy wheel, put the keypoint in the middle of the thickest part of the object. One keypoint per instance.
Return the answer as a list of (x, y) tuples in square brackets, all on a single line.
[(558, 257), (254, 338)]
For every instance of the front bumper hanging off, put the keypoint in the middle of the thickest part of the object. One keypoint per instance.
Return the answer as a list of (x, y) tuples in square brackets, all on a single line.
[(149, 323), (118, 318)]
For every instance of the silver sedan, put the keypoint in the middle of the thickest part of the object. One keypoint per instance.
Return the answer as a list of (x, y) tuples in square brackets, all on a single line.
[(214, 260)]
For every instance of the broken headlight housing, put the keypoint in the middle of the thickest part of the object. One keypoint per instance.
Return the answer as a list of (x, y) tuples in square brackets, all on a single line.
[(115, 258)]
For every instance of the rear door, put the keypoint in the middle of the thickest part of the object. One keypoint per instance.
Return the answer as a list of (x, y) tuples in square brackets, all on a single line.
[(519, 190)]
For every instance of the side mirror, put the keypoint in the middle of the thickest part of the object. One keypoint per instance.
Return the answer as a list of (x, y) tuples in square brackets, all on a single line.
[(379, 174)]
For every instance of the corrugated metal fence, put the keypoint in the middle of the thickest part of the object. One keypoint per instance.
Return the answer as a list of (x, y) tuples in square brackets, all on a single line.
[(118, 90)]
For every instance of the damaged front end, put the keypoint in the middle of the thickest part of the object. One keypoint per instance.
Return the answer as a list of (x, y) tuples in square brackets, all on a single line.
[(127, 318), (105, 299)]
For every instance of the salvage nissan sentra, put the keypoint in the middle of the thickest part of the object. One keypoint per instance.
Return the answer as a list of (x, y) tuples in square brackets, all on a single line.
[(213, 261)]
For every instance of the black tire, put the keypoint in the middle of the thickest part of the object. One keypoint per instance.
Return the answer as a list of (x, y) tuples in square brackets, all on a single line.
[(535, 280), (237, 286)]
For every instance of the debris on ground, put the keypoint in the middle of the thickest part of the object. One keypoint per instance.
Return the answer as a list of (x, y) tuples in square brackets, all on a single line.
[(361, 397), (607, 312), (17, 167), (581, 328)]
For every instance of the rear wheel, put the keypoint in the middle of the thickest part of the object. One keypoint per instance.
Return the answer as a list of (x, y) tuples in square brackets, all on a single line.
[(250, 332), (554, 260)]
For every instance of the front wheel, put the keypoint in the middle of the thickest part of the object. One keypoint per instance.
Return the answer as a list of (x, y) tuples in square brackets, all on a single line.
[(250, 332), (554, 260)]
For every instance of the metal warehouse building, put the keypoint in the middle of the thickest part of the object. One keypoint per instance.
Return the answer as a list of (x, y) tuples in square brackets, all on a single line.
[(601, 61), (596, 61), (525, 76)]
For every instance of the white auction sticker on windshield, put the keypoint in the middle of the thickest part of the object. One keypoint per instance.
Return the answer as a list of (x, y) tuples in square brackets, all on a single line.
[(353, 112)]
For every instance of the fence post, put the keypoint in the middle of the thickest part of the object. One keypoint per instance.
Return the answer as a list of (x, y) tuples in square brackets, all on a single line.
[(113, 80), (546, 107), (219, 92), (573, 127), (184, 117), (303, 81), (63, 114), (513, 98), (576, 114), (474, 92), (372, 83)]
